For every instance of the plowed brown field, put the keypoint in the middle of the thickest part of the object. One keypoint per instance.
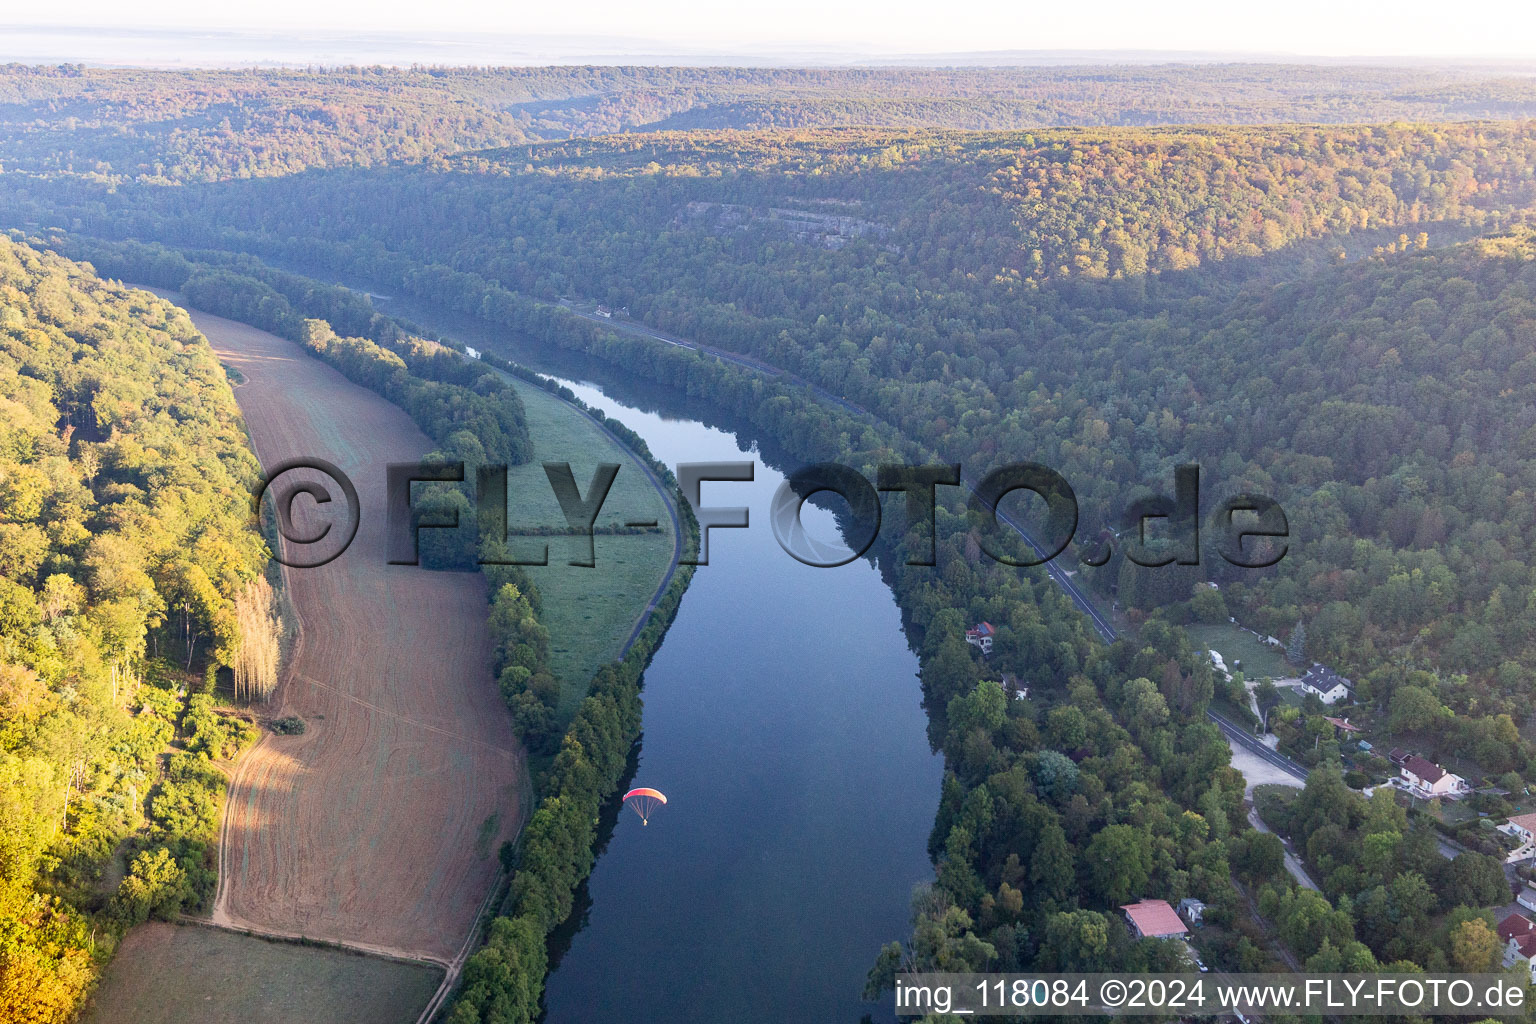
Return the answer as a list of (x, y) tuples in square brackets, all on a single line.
[(378, 826)]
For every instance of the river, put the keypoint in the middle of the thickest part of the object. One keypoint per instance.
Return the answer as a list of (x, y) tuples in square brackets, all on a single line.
[(783, 720)]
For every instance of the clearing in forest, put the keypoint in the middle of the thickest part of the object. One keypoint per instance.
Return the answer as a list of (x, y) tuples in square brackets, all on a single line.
[(171, 974), (589, 612), (369, 828)]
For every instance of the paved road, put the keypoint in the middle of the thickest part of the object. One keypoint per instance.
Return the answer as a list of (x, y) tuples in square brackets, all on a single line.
[(1057, 574), (1237, 734)]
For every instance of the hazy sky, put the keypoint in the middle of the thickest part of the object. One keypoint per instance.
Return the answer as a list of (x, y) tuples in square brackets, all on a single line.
[(1321, 27)]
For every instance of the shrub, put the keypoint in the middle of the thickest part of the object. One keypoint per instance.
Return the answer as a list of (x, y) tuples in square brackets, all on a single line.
[(156, 886)]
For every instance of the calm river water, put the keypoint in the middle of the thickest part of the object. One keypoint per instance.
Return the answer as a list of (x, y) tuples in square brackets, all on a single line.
[(783, 721)]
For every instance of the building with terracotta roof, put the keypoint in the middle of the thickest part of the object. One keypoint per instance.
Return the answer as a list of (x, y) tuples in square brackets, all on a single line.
[(1521, 826), (1519, 937), (1154, 919), (1514, 926)]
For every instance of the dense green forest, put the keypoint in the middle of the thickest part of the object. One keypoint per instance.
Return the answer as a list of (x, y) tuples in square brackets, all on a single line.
[(1340, 317), (1109, 303), (127, 545)]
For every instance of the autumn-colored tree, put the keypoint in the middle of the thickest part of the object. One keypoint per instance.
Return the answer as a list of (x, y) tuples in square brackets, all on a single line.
[(256, 661), (1475, 947)]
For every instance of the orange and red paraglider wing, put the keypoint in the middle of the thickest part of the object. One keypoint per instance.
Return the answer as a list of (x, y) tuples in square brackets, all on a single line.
[(644, 801)]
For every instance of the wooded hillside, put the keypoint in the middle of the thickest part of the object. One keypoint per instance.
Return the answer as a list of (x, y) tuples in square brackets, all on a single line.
[(126, 542)]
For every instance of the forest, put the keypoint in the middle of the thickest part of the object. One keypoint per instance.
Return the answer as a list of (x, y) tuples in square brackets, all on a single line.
[(1340, 316), (128, 550), (167, 127), (1126, 325)]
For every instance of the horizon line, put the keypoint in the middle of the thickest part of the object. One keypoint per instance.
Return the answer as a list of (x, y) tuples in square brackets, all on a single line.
[(567, 49)]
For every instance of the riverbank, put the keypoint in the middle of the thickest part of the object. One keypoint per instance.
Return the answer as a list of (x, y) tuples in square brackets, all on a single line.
[(783, 718)]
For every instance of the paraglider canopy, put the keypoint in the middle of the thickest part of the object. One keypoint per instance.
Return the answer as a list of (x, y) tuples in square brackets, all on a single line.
[(644, 802)]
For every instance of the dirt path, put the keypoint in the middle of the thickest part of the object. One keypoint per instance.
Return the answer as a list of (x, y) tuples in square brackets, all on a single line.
[(378, 826)]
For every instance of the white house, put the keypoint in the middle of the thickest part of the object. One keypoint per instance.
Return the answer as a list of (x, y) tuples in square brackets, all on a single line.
[(1519, 937), (1427, 781), (1192, 910), (981, 636), (1521, 826), (1527, 898), (1326, 684)]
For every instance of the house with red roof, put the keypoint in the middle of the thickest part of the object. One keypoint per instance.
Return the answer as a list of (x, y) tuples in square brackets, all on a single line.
[(1514, 926), (1154, 919), (1519, 936), (981, 636), (1521, 826)]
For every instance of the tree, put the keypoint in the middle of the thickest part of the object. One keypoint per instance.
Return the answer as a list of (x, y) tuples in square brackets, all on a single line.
[(506, 975), (156, 886), (1077, 940), (1413, 709), (1306, 921), (256, 658), (1296, 645), (1475, 947), (1327, 959), (1067, 727), (1055, 775), (1257, 856), (1472, 880), (1267, 694), (984, 708), (1119, 861), (1207, 605), (950, 671), (882, 976), (1051, 873)]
